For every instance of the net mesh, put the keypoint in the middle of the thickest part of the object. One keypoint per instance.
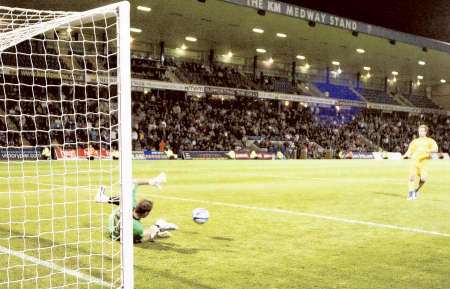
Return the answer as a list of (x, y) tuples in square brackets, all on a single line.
[(58, 100)]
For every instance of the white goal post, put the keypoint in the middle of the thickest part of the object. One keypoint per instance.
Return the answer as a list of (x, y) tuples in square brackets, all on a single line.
[(65, 130)]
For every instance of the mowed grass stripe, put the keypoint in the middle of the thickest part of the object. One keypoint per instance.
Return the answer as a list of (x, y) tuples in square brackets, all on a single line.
[(311, 215)]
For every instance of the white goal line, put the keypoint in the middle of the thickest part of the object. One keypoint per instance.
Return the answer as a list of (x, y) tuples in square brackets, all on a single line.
[(53, 266), (310, 215)]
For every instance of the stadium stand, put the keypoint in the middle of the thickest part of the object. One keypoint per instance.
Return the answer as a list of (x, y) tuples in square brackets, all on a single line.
[(223, 76), (46, 112), (214, 75), (190, 123), (145, 68), (377, 96), (20, 56), (393, 131), (179, 120), (421, 101), (337, 91), (220, 75)]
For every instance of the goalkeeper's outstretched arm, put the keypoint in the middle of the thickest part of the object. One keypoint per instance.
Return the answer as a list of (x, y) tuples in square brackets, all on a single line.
[(156, 181), (102, 197)]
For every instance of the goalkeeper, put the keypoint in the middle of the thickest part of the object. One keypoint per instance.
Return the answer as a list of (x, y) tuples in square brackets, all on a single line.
[(141, 210), (419, 151)]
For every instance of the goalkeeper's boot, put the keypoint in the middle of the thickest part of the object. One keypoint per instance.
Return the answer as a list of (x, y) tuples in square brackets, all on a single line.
[(416, 195), (158, 181), (152, 233), (411, 195), (164, 226), (101, 196), (164, 234)]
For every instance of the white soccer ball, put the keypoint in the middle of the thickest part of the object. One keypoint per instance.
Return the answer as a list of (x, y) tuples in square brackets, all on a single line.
[(200, 215)]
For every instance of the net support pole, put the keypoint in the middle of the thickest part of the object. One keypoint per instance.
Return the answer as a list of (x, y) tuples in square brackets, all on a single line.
[(124, 90)]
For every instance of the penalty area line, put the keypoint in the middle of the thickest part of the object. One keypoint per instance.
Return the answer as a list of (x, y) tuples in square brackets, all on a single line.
[(53, 266), (310, 215)]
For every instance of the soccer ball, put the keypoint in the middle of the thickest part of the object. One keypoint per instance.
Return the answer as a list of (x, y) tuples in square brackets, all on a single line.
[(200, 215)]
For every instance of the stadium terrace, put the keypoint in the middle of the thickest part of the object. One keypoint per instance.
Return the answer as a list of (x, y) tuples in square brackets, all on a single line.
[(219, 144)]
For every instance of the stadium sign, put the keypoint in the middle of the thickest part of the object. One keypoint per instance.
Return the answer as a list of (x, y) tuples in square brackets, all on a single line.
[(138, 155), (341, 22), (294, 97), (300, 12), (193, 89), (159, 84), (432, 111), (351, 103), (247, 93), (196, 89), (154, 155), (212, 90), (205, 155), (217, 90), (44, 73), (20, 153), (359, 155), (81, 154)]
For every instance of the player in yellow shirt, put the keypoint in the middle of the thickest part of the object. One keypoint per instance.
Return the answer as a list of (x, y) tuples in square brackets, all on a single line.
[(419, 151)]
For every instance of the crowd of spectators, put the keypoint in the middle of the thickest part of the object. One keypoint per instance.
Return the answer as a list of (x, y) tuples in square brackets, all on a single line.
[(217, 75), (145, 68), (393, 131), (61, 114), (214, 75), (51, 113), (191, 123)]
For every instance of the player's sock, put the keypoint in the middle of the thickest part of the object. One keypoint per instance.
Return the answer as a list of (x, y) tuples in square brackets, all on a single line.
[(411, 189), (416, 192), (101, 196)]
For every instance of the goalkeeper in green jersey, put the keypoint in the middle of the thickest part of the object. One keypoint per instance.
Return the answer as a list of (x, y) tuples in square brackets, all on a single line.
[(141, 210)]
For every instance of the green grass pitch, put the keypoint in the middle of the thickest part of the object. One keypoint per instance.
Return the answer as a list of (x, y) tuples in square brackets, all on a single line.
[(273, 224)]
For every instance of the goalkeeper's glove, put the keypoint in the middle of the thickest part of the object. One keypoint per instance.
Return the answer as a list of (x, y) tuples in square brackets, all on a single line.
[(158, 181)]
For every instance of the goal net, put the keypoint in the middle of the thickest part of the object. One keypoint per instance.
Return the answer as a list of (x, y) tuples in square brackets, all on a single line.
[(64, 131)]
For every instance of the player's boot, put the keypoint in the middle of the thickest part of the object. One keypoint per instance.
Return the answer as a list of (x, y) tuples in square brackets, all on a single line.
[(101, 196), (416, 195), (152, 233), (164, 234), (164, 226), (411, 195)]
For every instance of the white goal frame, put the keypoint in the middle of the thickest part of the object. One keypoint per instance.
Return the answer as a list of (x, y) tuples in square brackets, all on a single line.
[(121, 10)]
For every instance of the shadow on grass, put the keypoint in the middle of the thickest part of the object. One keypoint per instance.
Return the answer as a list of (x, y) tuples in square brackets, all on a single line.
[(160, 246), (166, 274), (403, 196), (222, 238), (189, 232)]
